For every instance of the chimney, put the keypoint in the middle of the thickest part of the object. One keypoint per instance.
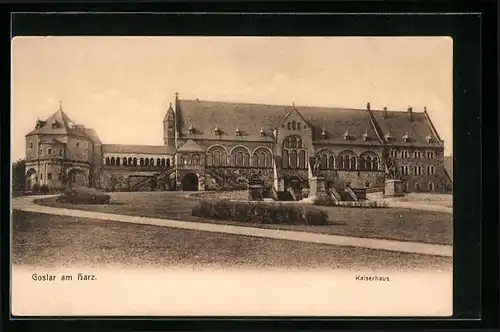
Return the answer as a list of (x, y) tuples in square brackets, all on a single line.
[(368, 106), (385, 112), (410, 113)]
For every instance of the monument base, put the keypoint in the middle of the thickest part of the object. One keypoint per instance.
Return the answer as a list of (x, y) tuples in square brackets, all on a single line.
[(393, 188), (317, 190)]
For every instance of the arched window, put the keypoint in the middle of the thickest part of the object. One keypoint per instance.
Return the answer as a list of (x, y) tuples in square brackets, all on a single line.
[(362, 164), (130, 161), (324, 161), (118, 161), (431, 186), (262, 159), (196, 160), (124, 163), (285, 159), (294, 125), (375, 164), (216, 155), (269, 160), (368, 163), (223, 158), (158, 162), (135, 161), (331, 162), (162, 162), (289, 126), (293, 159), (31, 145), (142, 161), (239, 159), (294, 153), (146, 162), (298, 125), (302, 159), (112, 160), (107, 161), (345, 162), (151, 162), (185, 160), (246, 160), (353, 163), (209, 159), (168, 162), (255, 160)]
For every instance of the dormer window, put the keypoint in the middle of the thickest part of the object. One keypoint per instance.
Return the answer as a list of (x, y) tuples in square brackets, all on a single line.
[(365, 135), (428, 138), (388, 136), (217, 130), (323, 133), (346, 135), (191, 129), (406, 137), (262, 132), (237, 132), (55, 125)]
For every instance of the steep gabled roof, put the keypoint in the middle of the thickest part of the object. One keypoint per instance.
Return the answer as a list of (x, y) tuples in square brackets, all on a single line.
[(399, 124), (203, 117), (138, 149), (191, 146), (60, 123)]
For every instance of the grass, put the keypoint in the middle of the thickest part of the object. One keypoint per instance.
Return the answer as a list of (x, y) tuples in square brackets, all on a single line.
[(389, 223), (55, 241)]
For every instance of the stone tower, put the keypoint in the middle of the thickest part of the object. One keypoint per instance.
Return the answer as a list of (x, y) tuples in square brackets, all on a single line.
[(169, 127)]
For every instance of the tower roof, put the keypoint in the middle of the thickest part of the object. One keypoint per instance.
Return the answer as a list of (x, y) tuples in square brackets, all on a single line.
[(60, 123)]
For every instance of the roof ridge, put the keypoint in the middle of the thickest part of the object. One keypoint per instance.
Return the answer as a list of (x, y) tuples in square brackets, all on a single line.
[(272, 105)]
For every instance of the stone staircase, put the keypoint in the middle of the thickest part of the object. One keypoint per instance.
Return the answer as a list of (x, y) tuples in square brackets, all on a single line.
[(220, 177), (158, 177)]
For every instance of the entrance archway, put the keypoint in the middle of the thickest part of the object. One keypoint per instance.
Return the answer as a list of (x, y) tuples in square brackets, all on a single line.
[(31, 178), (76, 178), (190, 182)]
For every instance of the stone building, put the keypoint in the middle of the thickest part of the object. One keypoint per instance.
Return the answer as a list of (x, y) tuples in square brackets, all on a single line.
[(211, 145)]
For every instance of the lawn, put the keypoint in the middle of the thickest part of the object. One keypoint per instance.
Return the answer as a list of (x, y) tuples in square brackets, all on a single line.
[(385, 223), (55, 241)]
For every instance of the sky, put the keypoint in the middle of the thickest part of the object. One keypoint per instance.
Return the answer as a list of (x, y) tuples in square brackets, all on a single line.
[(122, 86)]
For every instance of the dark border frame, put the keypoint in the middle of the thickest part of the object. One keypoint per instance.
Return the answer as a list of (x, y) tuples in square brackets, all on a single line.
[(475, 122)]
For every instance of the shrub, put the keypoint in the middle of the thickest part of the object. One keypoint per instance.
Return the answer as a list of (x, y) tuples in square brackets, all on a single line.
[(259, 213), (36, 187), (44, 188), (324, 201), (84, 196)]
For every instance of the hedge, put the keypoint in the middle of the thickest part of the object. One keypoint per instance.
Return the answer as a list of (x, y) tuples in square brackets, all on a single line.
[(328, 201), (260, 213)]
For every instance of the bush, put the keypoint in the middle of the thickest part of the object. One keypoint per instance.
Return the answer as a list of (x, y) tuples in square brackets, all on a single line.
[(84, 196), (36, 187), (326, 201), (259, 213), (44, 188)]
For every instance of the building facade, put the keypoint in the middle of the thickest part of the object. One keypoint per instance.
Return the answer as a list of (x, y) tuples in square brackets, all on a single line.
[(211, 145)]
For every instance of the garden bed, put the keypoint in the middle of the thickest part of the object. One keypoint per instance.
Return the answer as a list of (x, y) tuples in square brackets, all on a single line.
[(260, 213)]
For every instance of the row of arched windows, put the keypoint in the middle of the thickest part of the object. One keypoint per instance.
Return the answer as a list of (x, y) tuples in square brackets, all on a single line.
[(239, 157), (150, 162), (191, 160), (348, 161)]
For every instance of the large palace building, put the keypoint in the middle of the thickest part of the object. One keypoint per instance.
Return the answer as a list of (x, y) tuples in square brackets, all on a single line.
[(222, 145)]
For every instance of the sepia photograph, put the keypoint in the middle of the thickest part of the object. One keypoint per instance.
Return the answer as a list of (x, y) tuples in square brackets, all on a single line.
[(232, 176)]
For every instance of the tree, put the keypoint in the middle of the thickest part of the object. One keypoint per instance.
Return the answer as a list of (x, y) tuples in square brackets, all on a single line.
[(19, 175)]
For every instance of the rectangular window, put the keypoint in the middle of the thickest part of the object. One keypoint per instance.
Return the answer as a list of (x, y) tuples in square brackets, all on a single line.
[(60, 152), (49, 176), (41, 176), (404, 170), (430, 155)]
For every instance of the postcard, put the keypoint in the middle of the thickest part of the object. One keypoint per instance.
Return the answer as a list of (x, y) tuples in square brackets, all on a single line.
[(232, 176)]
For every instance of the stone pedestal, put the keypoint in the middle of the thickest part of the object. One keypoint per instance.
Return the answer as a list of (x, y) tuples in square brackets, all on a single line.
[(317, 189), (393, 188)]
